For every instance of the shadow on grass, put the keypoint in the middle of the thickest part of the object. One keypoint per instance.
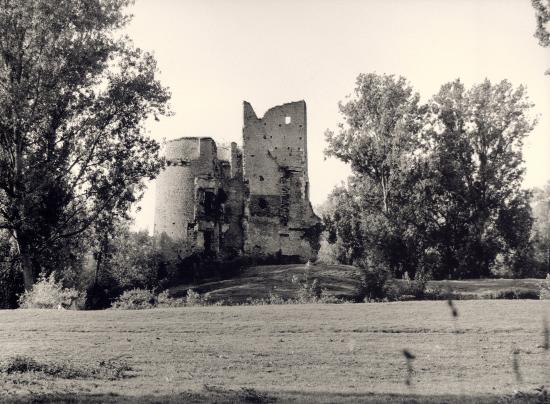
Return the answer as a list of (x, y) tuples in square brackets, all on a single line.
[(246, 395)]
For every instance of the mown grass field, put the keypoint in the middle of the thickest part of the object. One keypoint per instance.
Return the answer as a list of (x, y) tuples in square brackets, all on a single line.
[(312, 353)]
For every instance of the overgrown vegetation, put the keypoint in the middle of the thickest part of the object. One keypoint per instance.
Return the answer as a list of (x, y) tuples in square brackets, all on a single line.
[(436, 187), (47, 293), (74, 152), (111, 369)]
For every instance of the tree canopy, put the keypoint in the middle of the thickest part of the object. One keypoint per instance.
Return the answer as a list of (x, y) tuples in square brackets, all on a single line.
[(74, 96), (437, 187)]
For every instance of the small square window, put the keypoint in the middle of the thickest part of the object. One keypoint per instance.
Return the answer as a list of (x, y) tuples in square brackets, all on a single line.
[(287, 120)]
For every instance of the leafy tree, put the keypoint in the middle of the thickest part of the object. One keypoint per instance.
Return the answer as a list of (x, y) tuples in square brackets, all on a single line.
[(376, 136), (127, 260), (74, 95), (542, 13), (380, 138), (541, 228), (435, 188), (11, 284), (477, 138)]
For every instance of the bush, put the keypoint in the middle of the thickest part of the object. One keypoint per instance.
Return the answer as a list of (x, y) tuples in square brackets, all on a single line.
[(407, 288), (49, 294), (111, 369), (164, 300), (138, 299), (373, 287), (196, 299), (309, 291), (96, 298), (135, 299), (437, 293), (327, 298), (512, 293)]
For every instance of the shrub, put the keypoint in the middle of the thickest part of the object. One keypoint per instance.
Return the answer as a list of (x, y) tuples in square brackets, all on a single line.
[(309, 291), (276, 299), (327, 298), (138, 299), (97, 297), (135, 299), (196, 299), (111, 369), (512, 293), (328, 253), (373, 285), (437, 293), (48, 294), (407, 288), (164, 300)]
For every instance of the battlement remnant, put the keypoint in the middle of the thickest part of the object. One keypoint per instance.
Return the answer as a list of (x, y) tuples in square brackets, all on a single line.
[(226, 202)]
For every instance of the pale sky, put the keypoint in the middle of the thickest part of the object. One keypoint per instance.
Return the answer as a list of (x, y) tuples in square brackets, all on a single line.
[(213, 54)]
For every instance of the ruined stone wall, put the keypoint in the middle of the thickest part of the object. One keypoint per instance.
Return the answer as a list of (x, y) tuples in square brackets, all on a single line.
[(224, 201), (278, 210), (199, 200)]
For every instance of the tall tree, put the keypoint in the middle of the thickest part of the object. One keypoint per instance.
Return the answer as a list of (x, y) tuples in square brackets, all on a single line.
[(541, 227), (477, 136), (74, 95), (380, 138), (376, 135), (542, 13), (437, 187)]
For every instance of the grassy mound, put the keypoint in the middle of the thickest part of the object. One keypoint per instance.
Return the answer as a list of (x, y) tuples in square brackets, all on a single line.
[(258, 282)]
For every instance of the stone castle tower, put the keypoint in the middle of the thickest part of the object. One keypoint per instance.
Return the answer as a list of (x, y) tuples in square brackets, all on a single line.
[(225, 202)]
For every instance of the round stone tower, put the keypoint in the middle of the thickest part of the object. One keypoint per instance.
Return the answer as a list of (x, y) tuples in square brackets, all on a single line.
[(186, 159)]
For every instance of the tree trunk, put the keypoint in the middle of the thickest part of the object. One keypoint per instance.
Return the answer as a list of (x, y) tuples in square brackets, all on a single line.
[(25, 262), (27, 269)]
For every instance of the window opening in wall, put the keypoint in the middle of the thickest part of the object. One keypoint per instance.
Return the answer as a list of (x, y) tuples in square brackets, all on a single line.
[(262, 203), (288, 120), (209, 203), (261, 178), (208, 241)]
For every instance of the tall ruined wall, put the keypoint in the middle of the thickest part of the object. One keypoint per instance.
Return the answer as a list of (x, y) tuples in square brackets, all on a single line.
[(224, 201), (279, 215)]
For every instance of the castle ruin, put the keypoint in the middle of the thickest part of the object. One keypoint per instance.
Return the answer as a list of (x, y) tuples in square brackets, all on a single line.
[(224, 201)]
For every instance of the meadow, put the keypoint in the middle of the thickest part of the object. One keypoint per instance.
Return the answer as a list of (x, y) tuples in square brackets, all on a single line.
[(493, 351)]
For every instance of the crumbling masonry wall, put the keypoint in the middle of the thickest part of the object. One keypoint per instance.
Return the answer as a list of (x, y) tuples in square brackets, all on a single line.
[(280, 219), (191, 196), (222, 201)]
